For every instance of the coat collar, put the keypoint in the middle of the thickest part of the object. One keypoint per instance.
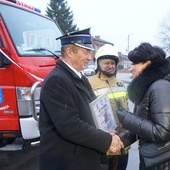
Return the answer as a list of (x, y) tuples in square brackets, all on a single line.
[(138, 87), (61, 64), (81, 83)]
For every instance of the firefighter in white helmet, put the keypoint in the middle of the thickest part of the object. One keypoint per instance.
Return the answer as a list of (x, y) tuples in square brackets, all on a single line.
[(105, 82)]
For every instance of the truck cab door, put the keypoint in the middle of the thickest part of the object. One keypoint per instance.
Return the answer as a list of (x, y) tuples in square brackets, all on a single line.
[(8, 105)]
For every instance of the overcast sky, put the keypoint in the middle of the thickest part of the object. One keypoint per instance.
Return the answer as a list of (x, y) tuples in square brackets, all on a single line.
[(114, 20)]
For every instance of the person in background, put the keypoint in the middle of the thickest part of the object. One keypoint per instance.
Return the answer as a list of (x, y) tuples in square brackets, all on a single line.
[(69, 139), (106, 82), (149, 91)]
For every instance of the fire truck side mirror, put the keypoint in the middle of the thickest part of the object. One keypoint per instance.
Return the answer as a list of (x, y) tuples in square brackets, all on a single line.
[(4, 61)]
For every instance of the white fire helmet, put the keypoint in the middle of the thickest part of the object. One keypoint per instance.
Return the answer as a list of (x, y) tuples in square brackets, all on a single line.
[(107, 51)]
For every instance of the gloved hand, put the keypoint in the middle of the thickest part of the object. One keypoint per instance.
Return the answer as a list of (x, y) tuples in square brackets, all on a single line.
[(121, 112)]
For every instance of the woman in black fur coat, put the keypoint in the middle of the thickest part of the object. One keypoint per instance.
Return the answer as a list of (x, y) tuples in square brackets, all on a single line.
[(150, 93)]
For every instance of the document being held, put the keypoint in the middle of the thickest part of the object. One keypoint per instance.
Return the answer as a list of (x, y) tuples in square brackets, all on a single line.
[(103, 114)]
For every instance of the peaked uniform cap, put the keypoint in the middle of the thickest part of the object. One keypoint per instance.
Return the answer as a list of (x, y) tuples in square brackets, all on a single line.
[(80, 38)]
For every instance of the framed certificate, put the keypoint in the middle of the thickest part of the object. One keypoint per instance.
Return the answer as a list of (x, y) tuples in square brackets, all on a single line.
[(103, 114)]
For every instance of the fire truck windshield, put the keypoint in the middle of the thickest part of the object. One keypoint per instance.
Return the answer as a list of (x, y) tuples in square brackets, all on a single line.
[(31, 31)]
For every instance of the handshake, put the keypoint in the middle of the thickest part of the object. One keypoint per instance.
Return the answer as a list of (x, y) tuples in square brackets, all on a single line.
[(116, 144)]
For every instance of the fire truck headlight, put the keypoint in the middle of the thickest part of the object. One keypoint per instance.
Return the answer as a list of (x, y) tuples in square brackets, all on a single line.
[(24, 101), (23, 93)]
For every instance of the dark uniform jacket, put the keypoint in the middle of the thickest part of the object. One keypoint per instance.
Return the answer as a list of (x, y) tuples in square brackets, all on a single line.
[(69, 139), (150, 92)]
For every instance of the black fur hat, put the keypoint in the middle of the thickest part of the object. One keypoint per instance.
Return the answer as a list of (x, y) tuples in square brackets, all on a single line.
[(145, 52)]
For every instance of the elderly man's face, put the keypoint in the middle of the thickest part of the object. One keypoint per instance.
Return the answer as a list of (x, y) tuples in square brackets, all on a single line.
[(107, 65), (80, 58)]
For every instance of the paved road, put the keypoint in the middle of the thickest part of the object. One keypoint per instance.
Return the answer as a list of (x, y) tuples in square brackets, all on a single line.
[(133, 162), (19, 160)]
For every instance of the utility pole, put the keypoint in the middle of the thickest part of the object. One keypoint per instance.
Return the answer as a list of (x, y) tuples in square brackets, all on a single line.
[(128, 43)]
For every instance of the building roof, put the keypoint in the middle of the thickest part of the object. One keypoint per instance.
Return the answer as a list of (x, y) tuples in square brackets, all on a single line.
[(97, 39)]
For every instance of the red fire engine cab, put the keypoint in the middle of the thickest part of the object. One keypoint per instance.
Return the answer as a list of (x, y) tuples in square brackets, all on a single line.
[(28, 51)]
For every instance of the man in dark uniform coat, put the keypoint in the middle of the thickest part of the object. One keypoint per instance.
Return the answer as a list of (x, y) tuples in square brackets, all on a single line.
[(69, 139)]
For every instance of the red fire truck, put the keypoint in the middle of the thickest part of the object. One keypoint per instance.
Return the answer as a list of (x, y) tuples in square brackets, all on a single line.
[(28, 52)]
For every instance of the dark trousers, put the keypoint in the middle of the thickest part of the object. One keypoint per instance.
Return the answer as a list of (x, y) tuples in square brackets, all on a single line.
[(104, 167), (118, 162)]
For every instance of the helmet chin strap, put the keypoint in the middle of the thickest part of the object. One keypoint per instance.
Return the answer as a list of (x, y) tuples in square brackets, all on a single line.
[(108, 74), (105, 73)]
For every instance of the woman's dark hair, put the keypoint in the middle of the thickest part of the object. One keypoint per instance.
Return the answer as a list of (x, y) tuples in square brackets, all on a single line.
[(145, 52), (159, 52)]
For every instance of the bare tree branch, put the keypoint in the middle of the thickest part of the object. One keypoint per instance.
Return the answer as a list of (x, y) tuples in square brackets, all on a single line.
[(165, 33)]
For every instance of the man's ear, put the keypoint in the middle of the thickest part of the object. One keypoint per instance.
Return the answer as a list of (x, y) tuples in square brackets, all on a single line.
[(69, 52)]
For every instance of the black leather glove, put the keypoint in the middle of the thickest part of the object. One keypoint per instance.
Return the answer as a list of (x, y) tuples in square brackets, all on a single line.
[(121, 112)]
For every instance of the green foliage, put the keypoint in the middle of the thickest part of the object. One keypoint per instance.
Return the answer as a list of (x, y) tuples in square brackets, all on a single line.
[(59, 11)]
